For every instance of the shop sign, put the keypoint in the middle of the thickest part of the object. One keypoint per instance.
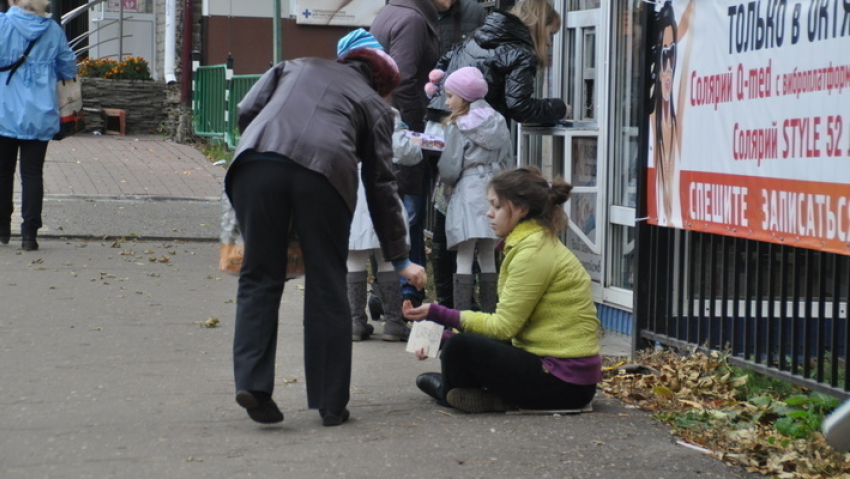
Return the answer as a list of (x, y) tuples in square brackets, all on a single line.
[(749, 129), (355, 13)]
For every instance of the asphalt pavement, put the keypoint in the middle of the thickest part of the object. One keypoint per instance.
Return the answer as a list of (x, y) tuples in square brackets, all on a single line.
[(108, 368)]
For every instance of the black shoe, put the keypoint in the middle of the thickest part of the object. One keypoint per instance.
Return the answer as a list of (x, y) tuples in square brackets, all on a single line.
[(4, 239), (429, 383), (332, 419), (376, 309), (261, 407), (29, 245)]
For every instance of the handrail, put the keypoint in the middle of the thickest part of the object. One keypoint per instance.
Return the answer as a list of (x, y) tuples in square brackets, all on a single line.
[(89, 33), (78, 11)]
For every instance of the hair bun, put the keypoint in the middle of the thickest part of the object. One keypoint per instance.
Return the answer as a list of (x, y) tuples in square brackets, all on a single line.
[(559, 191)]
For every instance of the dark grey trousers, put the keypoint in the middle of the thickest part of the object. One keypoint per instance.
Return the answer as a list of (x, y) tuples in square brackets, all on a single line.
[(267, 195)]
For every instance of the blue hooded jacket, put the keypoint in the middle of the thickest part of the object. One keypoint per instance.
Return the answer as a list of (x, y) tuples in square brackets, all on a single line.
[(28, 106)]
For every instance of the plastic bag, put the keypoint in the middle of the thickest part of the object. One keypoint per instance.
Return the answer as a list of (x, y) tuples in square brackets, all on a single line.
[(69, 94)]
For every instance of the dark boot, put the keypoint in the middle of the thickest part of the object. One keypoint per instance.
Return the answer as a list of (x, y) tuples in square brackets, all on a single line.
[(464, 284), (444, 264), (376, 309), (357, 300), (488, 296), (5, 232), (28, 235), (395, 329)]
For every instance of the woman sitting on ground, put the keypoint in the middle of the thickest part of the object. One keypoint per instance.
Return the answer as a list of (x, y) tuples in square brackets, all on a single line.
[(540, 349)]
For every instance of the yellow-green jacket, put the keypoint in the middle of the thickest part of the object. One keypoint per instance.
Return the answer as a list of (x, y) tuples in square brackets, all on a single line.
[(545, 305)]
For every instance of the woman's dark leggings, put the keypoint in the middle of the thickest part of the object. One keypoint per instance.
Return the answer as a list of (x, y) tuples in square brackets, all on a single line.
[(472, 361), (33, 153)]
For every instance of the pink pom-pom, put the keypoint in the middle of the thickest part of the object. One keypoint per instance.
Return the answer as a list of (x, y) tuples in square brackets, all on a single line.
[(431, 90), (436, 76)]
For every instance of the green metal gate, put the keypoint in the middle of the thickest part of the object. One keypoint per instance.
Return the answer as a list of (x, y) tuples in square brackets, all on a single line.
[(209, 101), (239, 86)]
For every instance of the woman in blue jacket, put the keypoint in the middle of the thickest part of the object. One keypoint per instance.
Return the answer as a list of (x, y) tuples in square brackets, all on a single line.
[(29, 115)]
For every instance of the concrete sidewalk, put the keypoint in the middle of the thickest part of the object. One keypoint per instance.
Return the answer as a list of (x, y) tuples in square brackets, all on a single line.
[(106, 372)]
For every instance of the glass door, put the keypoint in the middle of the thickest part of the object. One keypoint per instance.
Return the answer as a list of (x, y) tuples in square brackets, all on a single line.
[(585, 150), (625, 65)]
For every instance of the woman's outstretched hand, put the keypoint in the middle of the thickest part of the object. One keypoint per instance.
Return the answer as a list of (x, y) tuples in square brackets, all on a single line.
[(415, 275), (415, 314)]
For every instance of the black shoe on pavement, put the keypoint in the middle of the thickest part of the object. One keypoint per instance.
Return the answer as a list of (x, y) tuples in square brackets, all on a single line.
[(4, 239), (29, 245), (430, 383), (260, 406), (334, 419)]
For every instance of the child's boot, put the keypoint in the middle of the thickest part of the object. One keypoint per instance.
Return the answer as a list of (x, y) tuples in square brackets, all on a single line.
[(464, 285), (488, 295), (388, 290), (357, 300)]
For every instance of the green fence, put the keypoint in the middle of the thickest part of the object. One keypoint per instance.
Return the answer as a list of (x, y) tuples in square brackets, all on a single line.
[(239, 86), (209, 100)]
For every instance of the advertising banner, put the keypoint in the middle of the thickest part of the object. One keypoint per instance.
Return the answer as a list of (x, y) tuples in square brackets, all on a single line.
[(349, 13), (749, 120)]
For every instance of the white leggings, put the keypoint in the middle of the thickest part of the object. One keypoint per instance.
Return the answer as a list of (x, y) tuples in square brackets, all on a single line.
[(357, 260), (486, 256)]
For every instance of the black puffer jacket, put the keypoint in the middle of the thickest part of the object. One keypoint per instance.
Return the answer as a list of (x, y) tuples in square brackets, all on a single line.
[(504, 52)]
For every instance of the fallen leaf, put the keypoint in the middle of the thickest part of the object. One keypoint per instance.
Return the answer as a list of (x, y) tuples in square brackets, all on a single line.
[(212, 322)]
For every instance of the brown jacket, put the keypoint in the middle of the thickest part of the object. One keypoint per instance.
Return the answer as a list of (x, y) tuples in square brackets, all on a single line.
[(325, 116)]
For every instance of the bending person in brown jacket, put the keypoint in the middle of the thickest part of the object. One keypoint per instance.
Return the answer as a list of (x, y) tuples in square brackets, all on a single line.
[(306, 125)]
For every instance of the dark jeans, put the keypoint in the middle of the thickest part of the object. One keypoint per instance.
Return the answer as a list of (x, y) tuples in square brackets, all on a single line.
[(472, 361), (443, 262), (417, 210), (268, 194), (33, 153)]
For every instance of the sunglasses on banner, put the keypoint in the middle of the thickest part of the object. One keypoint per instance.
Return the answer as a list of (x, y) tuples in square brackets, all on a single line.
[(668, 57)]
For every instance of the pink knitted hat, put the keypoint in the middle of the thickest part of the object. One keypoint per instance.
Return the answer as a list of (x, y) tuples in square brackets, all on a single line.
[(467, 83)]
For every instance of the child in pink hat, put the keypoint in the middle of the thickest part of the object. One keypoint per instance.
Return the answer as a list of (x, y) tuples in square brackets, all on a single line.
[(478, 145)]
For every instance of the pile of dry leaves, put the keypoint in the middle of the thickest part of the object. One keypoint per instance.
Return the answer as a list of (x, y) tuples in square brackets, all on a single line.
[(708, 404)]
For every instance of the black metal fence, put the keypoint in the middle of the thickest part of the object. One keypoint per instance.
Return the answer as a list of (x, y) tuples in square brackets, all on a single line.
[(779, 310)]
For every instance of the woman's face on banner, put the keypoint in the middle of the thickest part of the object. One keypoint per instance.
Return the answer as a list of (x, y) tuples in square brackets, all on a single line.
[(668, 63)]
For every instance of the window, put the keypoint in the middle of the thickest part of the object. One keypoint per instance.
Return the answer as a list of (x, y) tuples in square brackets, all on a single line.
[(623, 142)]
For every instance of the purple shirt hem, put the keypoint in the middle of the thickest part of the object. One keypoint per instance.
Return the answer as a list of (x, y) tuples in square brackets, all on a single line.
[(580, 371)]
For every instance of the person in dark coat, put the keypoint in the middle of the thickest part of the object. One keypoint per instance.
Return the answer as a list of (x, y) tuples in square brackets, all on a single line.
[(460, 19), (509, 49), (457, 22), (409, 32), (306, 124)]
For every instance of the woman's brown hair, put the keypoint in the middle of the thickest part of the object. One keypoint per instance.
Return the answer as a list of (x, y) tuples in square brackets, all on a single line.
[(527, 187), (537, 15)]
